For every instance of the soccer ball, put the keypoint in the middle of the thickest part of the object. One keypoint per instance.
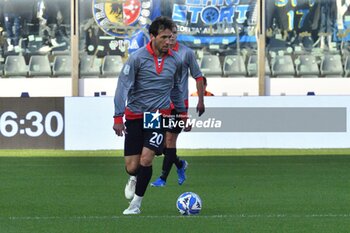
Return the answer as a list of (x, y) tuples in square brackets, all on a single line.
[(189, 203)]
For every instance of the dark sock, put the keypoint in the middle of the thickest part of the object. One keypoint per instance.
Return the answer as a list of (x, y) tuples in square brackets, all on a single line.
[(143, 177), (177, 161), (169, 158)]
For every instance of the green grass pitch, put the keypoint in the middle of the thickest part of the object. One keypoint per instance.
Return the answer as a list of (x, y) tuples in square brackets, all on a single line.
[(242, 191)]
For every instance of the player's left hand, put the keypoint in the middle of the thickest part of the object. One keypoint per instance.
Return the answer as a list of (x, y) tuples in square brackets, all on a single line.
[(188, 128), (200, 108), (184, 118), (119, 129)]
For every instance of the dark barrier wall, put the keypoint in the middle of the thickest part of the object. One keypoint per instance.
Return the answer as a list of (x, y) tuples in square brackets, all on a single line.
[(32, 123)]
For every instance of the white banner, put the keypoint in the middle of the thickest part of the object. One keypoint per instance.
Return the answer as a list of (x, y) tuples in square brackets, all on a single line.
[(89, 121)]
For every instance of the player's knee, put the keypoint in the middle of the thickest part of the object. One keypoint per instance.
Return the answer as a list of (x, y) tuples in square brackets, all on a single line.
[(132, 164), (146, 161), (131, 170), (170, 141)]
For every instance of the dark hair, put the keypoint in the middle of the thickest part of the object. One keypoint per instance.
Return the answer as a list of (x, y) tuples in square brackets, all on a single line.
[(159, 24), (204, 81)]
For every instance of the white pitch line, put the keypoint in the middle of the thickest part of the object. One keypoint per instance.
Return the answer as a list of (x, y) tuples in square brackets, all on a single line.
[(30, 218)]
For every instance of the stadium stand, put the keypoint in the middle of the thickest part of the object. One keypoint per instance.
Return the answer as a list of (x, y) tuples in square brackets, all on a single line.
[(111, 66), (210, 65), (62, 65), (90, 66), (15, 66), (331, 65), (34, 44), (39, 66), (306, 66), (252, 66), (347, 66), (234, 66), (282, 66)]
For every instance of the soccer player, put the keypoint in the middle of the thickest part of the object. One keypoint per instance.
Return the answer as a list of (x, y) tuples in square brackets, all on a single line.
[(149, 81), (189, 65)]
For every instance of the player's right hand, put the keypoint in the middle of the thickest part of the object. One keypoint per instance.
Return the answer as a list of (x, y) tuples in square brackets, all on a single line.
[(188, 127), (119, 129), (200, 108)]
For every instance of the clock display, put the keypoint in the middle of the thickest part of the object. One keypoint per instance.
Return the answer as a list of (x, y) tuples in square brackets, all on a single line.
[(10, 124), (32, 123)]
